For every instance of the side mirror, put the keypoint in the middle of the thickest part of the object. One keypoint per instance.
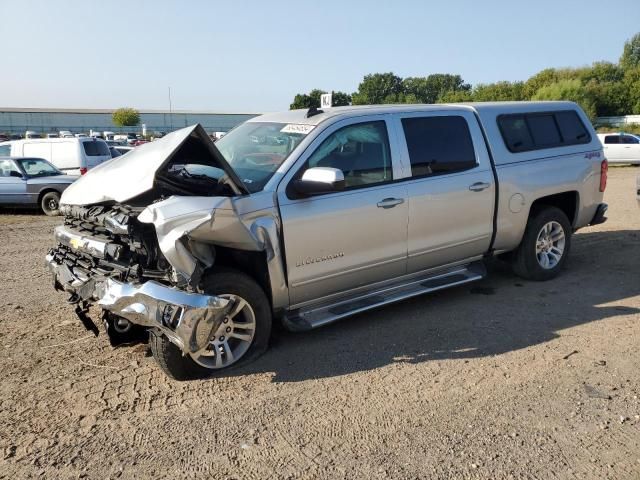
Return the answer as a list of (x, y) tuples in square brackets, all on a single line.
[(319, 180)]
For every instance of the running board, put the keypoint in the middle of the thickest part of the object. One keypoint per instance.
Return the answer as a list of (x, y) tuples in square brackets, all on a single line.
[(319, 315)]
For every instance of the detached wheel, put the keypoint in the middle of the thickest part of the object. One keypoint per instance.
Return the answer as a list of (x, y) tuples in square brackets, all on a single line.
[(50, 204), (241, 338), (545, 245)]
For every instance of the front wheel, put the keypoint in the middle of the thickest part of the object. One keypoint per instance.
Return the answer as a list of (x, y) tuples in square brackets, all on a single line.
[(241, 338), (50, 204), (545, 245)]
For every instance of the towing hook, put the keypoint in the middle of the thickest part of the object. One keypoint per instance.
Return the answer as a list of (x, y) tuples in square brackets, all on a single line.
[(74, 298)]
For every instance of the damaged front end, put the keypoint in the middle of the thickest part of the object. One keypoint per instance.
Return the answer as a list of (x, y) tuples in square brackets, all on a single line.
[(137, 248)]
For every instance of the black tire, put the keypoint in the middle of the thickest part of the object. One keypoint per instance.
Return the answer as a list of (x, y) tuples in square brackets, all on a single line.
[(525, 262), (220, 281), (50, 204)]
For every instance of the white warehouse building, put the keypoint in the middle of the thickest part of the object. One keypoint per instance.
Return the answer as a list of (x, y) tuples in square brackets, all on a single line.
[(50, 120)]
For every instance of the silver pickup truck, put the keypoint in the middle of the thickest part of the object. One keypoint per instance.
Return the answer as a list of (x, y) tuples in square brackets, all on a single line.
[(306, 217)]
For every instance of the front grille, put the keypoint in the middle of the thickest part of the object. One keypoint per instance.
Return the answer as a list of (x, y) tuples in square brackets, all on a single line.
[(119, 246)]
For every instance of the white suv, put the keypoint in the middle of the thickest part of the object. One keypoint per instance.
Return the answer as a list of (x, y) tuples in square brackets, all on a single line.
[(621, 147)]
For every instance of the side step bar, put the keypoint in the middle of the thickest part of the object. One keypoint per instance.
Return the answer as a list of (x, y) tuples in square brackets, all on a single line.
[(319, 315)]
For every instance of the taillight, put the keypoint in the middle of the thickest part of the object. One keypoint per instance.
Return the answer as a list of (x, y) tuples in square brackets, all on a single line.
[(604, 169), (83, 170)]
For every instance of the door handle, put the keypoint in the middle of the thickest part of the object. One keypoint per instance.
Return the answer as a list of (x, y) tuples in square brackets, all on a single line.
[(390, 202), (479, 186)]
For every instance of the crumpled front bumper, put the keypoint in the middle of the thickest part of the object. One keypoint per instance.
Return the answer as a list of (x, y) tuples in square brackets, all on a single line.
[(189, 320)]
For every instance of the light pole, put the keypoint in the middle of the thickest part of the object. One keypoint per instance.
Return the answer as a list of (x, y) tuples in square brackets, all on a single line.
[(170, 112)]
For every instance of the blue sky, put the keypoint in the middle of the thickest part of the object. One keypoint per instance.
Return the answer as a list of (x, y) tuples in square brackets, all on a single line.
[(253, 56)]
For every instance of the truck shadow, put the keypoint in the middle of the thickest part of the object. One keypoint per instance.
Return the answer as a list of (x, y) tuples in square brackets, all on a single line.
[(502, 313)]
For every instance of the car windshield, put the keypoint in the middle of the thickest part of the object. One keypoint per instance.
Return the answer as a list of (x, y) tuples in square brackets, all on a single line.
[(36, 167), (255, 150)]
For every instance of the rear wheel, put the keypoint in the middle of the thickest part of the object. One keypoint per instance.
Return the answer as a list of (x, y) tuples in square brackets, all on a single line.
[(50, 203), (240, 339), (545, 245)]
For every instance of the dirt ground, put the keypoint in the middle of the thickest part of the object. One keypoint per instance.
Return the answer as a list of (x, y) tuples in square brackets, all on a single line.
[(500, 379)]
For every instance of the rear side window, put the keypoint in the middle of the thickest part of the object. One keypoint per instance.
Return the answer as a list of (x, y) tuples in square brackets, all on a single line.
[(96, 149), (571, 128), (537, 131), (544, 131), (609, 139), (438, 145), (628, 139)]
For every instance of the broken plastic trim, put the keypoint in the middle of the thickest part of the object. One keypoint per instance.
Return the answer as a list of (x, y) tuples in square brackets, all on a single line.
[(188, 319)]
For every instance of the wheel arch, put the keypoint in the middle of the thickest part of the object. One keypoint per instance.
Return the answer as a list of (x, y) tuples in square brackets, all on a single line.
[(252, 263), (566, 201), (46, 190)]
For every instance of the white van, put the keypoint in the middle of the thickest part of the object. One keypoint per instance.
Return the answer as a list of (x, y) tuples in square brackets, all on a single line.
[(74, 156)]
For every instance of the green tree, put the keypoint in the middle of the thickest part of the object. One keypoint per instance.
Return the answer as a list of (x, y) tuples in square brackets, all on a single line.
[(550, 76), (499, 91), (312, 99), (125, 117), (602, 72), (455, 97), (340, 99), (632, 86), (429, 89), (571, 90), (378, 88), (611, 98), (631, 53), (304, 100)]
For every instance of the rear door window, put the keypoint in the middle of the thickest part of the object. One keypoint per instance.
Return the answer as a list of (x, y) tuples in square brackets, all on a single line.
[(612, 139), (96, 149), (628, 139), (438, 145)]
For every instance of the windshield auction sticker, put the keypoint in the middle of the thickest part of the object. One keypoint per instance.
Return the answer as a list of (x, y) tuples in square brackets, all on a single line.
[(297, 128)]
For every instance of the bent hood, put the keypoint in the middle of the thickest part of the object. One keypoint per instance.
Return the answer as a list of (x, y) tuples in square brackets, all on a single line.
[(133, 174)]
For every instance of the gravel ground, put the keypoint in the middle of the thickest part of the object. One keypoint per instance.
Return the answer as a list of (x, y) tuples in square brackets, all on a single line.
[(500, 379)]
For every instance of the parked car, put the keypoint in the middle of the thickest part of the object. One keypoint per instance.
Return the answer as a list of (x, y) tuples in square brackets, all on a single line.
[(128, 138), (74, 156), (204, 244), (31, 134), (114, 153), (32, 182), (65, 134), (52, 135), (621, 147), (122, 149)]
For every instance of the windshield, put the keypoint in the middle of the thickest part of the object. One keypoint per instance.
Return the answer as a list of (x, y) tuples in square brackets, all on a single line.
[(37, 167), (255, 150)]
